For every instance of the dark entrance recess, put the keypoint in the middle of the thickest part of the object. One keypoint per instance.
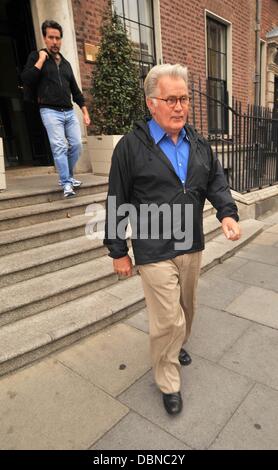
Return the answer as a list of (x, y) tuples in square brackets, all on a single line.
[(275, 112), (275, 109), (24, 138)]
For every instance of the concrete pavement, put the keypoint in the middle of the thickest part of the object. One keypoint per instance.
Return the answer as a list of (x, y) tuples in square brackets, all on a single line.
[(100, 394)]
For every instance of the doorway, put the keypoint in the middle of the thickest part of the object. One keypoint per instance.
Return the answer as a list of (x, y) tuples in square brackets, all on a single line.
[(275, 115), (275, 107), (24, 137)]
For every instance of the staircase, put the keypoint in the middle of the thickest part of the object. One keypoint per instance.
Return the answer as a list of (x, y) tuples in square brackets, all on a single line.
[(56, 285)]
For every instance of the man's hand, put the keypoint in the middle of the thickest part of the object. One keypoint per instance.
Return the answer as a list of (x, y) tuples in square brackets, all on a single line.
[(42, 58), (230, 228), (123, 266), (86, 119), (43, 55)]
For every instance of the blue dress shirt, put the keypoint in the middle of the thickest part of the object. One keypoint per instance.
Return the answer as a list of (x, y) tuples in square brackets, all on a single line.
[(178, 153)]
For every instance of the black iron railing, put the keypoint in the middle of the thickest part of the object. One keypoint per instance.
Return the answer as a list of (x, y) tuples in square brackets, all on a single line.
[(246, 142)]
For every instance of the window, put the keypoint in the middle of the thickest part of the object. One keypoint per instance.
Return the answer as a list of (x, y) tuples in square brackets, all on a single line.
[(217, 76), (137, 16)]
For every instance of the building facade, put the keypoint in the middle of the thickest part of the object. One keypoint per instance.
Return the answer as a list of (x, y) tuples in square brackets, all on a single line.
[(231, 45)]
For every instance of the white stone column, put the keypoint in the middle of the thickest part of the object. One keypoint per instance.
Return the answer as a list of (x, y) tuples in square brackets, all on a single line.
[(2, 167), (61, 11)]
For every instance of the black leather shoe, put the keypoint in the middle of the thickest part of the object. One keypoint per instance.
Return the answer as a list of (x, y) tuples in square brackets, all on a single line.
[(172, 403), (184, 358)]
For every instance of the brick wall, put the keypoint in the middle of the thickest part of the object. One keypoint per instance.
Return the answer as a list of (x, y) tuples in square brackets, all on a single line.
[(87, 19), (269, 16), (183, 36)]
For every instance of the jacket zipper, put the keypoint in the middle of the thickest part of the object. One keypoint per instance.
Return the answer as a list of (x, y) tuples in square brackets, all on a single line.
[(58, 67), (185, 188)]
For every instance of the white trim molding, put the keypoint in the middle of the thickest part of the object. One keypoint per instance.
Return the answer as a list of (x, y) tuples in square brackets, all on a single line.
[(263, 72), (2, 166), (157, 31)]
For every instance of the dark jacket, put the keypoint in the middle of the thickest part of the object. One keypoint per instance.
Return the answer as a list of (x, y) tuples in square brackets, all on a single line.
[(141, 174), (53, 85)]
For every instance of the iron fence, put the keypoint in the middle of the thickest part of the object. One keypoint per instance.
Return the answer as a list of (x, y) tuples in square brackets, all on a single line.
[(246, 142)]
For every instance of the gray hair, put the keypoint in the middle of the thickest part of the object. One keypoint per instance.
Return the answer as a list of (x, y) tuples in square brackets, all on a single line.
[(158, 71)]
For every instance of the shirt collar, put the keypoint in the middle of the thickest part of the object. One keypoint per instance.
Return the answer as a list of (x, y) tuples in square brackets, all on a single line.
[(158, 133)]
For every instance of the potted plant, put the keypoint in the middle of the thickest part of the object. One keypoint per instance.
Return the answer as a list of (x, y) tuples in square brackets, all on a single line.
[(117, 96)]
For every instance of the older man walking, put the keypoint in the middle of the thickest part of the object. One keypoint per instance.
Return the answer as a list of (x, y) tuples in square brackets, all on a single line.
[(164, 162)]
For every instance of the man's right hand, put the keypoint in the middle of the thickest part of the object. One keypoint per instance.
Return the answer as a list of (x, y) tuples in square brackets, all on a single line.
[(123, 266), (43, 55), (42, 58)]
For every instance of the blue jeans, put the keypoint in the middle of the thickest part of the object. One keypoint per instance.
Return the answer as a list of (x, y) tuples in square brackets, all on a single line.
[(64, 136)]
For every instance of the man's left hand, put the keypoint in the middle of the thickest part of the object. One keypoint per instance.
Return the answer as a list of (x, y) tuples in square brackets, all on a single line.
[(230, 228), (87, 120)]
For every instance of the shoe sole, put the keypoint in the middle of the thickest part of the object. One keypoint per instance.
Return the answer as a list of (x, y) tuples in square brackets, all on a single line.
[(74, 186)]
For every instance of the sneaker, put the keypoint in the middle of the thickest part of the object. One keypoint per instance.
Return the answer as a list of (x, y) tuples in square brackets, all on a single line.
[(68, 191), (76, 183)]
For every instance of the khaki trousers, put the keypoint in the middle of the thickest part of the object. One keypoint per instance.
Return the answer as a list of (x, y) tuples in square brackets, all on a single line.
[(170, 292)]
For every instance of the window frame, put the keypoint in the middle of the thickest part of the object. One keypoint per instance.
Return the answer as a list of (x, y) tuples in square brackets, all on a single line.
[(143, 64), (227, 82)]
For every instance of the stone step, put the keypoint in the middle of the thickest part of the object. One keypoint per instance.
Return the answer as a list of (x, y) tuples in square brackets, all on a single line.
[(25, 238), (220, 248), (47, 259), (208, 209), (34, 337), (35, 190), (38, 213), (211, 227), (49, 290)]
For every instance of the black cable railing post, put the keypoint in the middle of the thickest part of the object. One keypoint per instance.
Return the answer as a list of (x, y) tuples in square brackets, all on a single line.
[(271, 146), (233, 144), (224, 160), (252, 149), (239, 149), (257, 144), (228, 149), (260, 139), (264, 179), (236, 152), (247, 148), (244, 152)]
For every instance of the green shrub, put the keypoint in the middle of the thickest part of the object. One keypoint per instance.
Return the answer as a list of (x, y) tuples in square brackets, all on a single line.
[(117, 97)]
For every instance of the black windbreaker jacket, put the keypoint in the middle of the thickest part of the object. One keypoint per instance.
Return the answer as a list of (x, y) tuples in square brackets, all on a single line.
[(142, 174), (53, 85)]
